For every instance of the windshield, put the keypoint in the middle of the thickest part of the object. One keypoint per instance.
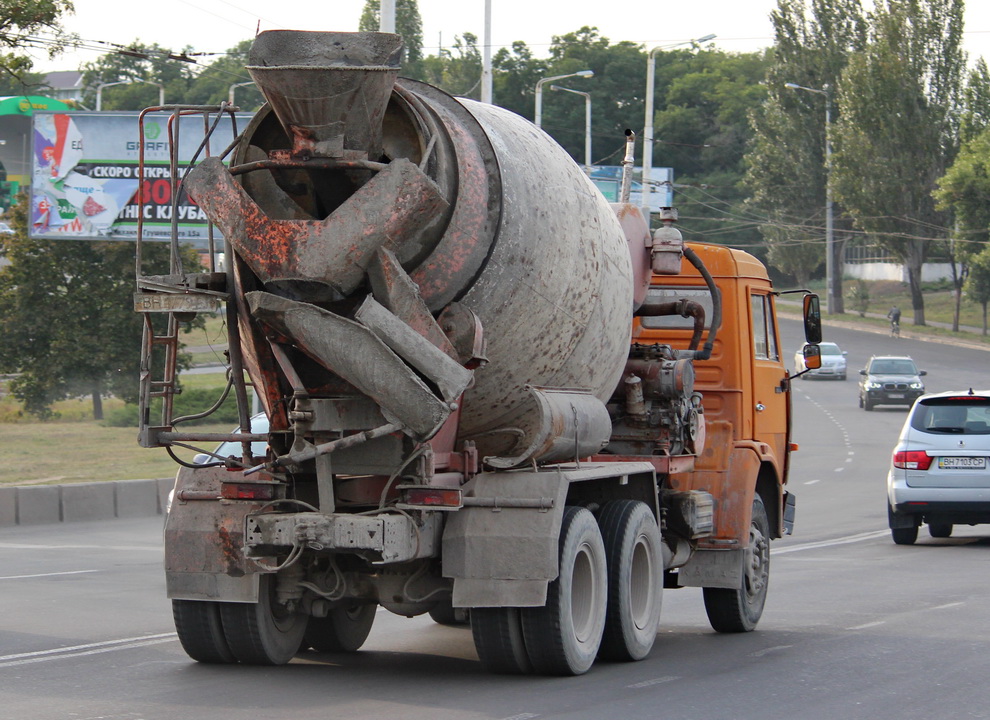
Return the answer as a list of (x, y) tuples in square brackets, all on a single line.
[(829, 348), (893, 367)]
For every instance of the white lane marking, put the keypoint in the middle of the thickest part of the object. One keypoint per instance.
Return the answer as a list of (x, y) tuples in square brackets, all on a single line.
[(948, 605), (867, 625), (655, 681), (830, 543), (767, 651), (88, 649), (812, 482), (25, 546), (40, 575), (522, 716)]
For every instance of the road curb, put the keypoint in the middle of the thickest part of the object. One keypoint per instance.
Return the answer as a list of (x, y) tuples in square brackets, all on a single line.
[(82, 502)]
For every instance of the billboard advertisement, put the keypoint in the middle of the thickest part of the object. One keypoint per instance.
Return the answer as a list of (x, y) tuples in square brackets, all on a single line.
[(86, 183)]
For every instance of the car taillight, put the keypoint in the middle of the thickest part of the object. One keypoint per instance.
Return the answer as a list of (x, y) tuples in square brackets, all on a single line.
[(912, 460), (247, 491)]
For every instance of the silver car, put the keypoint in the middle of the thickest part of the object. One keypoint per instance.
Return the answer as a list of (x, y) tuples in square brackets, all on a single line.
[(833, 362), (939, 472)]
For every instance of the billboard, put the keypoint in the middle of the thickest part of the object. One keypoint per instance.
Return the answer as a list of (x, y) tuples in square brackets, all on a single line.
[(608, 179), (85, 176)]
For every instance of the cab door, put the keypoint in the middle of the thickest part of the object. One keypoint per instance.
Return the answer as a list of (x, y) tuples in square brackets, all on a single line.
[(769, 400)]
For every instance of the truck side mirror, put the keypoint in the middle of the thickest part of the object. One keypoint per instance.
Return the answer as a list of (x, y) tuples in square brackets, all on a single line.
[(812, 357), (812, 319)]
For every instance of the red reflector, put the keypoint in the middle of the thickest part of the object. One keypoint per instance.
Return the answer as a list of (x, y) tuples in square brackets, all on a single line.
[(247, 491), (912, 460), (433, 497)]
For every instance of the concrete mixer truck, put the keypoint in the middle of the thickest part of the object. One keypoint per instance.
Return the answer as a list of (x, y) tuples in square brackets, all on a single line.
[(489, 394)]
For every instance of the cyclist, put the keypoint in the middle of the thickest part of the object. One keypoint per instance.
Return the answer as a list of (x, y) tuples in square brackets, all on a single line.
[(895, 321)]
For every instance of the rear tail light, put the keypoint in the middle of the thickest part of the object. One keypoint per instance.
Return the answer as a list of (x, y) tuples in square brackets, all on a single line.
[(247, 491), (912, 460), (438, 498)]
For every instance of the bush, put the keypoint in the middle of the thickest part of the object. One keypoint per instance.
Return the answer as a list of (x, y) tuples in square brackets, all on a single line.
[(188, 402)]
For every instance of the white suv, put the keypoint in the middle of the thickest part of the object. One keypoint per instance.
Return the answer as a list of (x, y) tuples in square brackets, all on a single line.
[(940, 472)]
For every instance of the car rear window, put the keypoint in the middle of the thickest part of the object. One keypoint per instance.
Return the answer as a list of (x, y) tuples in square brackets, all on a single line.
[(964, 415)]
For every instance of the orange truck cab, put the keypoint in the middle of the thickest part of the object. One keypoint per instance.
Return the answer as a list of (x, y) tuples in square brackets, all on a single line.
[(745, 399)]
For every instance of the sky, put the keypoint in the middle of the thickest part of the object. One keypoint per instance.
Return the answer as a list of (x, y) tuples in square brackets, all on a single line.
[(216, 25)]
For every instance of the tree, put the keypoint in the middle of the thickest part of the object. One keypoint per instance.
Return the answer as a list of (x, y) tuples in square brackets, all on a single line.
[(964, 190), (786, 170), (978, 283), (149, 63), (408, 24), (213, 84), (898, 132), (21, 20), (67, 317)]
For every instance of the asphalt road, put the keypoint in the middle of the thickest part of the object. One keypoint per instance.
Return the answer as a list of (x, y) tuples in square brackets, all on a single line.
[(855, 627)]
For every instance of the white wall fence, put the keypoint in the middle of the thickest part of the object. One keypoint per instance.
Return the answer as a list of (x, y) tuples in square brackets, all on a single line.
[(930, 272)]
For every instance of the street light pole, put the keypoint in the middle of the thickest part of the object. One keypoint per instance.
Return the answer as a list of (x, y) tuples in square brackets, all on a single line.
[(587, 124), (230, 97), (538, 115), (831, 277), (651, 65)]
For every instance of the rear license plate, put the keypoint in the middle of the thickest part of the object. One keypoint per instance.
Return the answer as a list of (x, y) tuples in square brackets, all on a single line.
[(896, 396), (962, 463)]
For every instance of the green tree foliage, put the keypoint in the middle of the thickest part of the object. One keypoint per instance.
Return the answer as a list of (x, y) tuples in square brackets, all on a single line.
[(408, 24), (20, 25), (457, 72), (702, 130), (977, 285), (140, 70), (786, 172), (216, 81), (976, 113), (898, 132), (67, 317)]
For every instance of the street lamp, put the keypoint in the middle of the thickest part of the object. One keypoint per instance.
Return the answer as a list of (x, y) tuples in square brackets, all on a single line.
[(651, 69), (831, 277), (587, 124), (539, 91), (99, 90), (230, 97)]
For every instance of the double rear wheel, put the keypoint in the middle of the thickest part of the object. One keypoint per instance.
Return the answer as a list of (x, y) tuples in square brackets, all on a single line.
[(604, 603)]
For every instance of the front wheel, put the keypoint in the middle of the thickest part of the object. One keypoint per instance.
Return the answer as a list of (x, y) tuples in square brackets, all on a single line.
[(563, 636), (265, 632), (739, 610), (635, 580), (344, 629)]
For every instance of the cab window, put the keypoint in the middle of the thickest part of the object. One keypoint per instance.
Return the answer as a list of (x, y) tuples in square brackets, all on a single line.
[(764, 331)]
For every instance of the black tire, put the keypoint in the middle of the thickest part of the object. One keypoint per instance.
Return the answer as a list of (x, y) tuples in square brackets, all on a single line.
[(344, 629), (904, 536), (498, 638), (940, 530), (635, 580), (739, 610), (842, 377), (200, 631), (262, 633), (867, 405), (563, 637), (861, 401)]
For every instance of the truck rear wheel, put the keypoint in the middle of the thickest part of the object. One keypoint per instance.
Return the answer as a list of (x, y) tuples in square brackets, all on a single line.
[(198, 625), (563, 637), (740, 610), (344, 629), (262, 633), (635, 580), (498, 638)]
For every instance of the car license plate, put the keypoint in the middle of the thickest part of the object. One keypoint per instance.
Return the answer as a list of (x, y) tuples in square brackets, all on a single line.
[(962, 463), (896, 396)]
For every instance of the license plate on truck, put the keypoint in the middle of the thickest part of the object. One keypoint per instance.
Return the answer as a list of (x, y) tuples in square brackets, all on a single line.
[(962, 463)]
